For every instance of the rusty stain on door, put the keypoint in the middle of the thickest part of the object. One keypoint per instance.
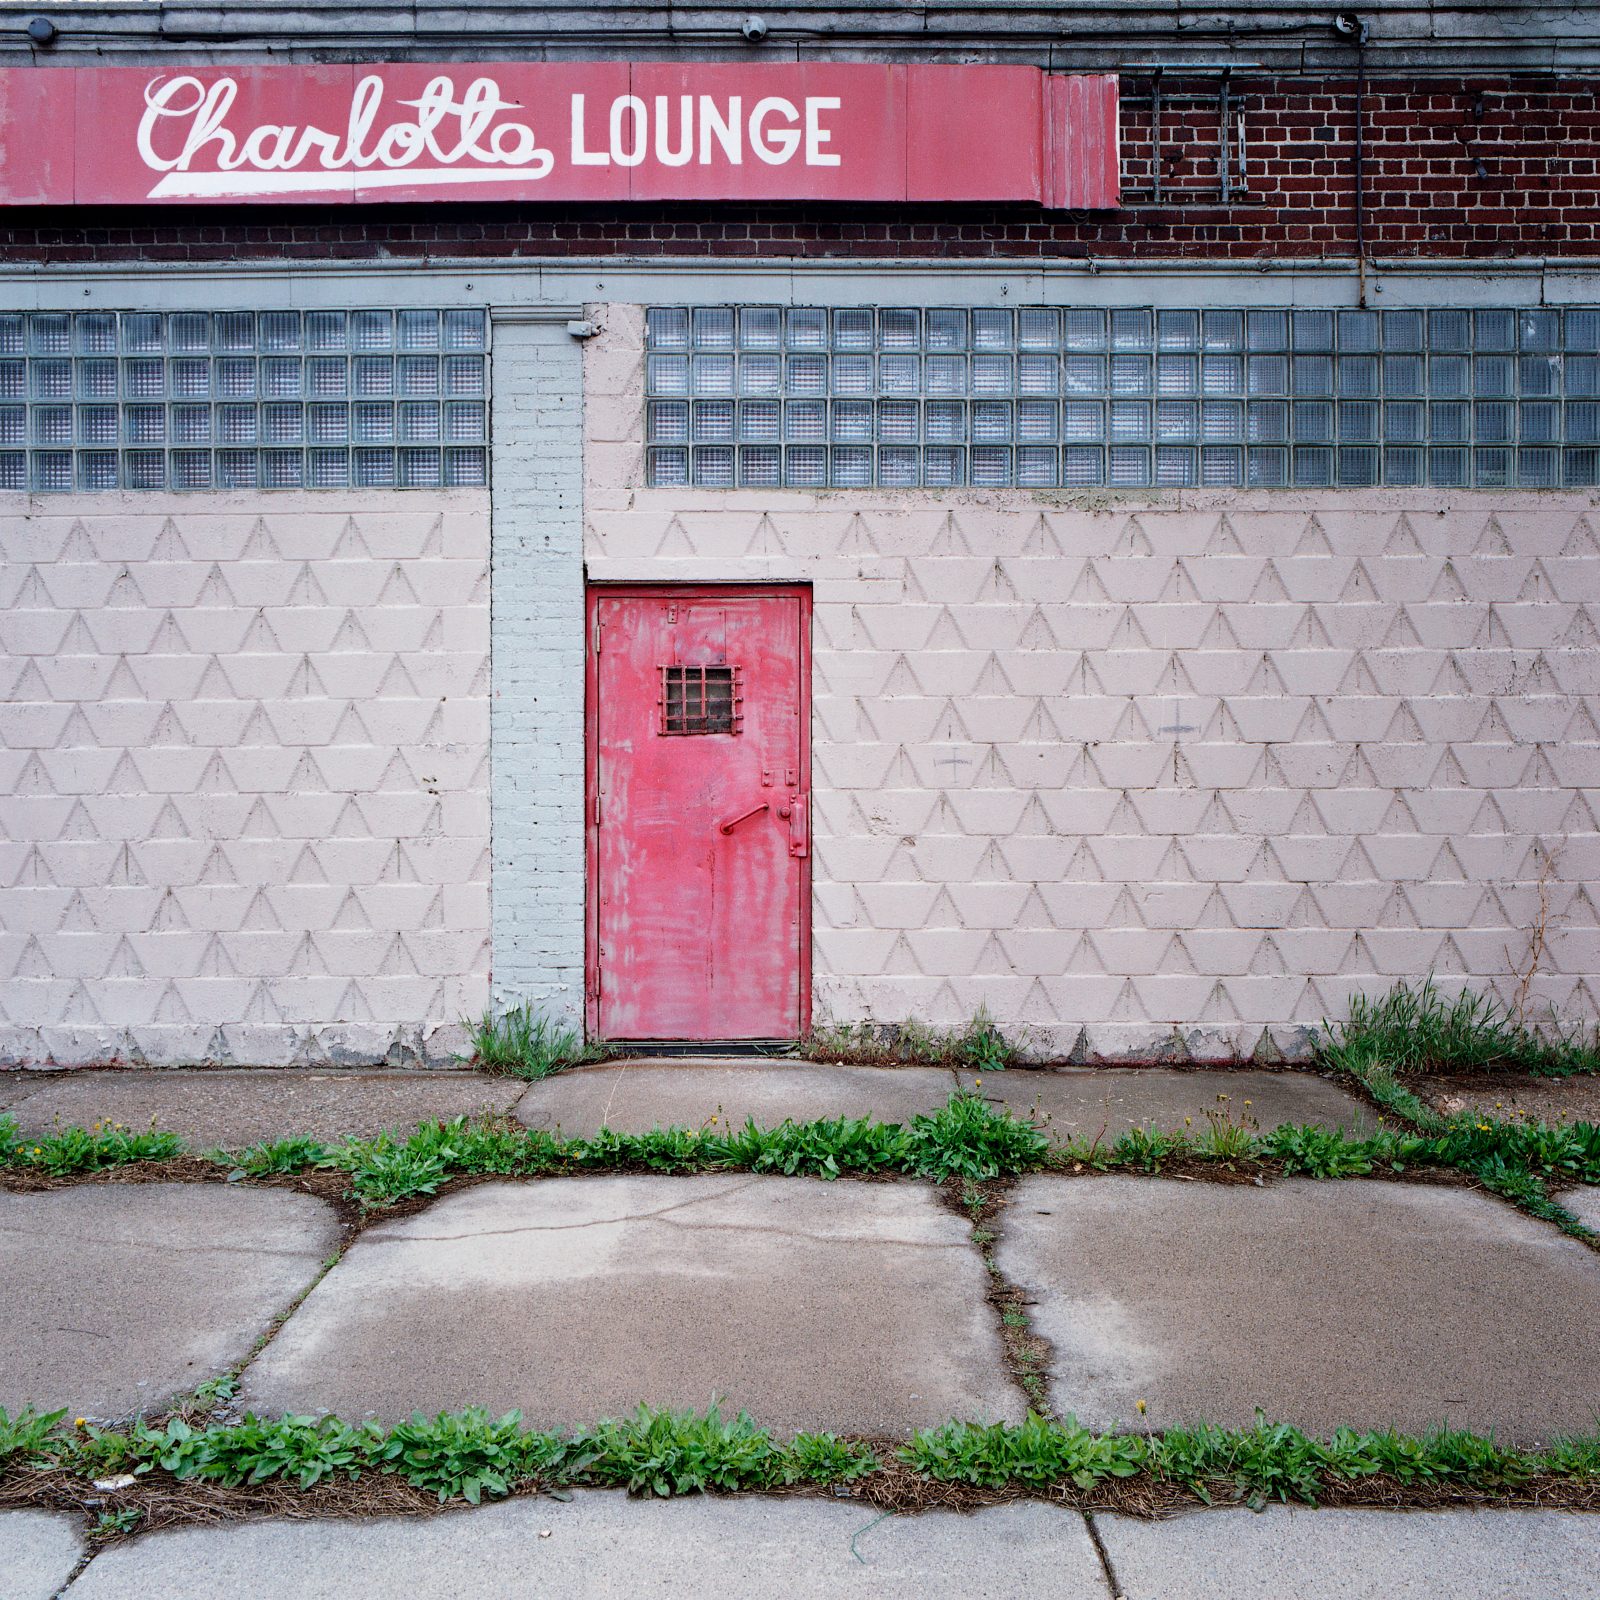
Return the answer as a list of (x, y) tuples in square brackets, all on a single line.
[(699, 813)]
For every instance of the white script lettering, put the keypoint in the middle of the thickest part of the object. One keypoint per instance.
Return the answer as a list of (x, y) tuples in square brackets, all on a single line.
[(452, 136)]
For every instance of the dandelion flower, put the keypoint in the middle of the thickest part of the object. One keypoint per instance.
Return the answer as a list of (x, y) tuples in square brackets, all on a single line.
[(1140, 1404), (80, 1422)]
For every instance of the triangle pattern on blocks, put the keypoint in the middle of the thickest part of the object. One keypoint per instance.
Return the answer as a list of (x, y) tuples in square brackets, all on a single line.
[(225, 749), (1186, 771)]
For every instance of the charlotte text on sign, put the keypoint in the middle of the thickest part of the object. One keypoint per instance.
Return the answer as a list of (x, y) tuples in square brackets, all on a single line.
[(447, 130)]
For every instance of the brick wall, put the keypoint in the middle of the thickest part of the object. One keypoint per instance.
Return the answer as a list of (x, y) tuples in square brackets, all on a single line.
[(1171, 773), (243, 776), (1456, 168), (537, 713)]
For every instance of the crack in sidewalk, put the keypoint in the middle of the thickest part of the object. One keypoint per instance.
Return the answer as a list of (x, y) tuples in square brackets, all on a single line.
[(665, 1215)]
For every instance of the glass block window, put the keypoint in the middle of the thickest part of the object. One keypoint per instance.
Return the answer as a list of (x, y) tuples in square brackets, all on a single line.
[(243, 399), (813, 397)]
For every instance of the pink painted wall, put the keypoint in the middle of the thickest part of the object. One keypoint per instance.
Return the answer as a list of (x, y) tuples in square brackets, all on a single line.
[(1170, 771), (243, 776)]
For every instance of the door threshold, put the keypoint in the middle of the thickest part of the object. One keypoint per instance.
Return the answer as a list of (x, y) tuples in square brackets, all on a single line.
[(668, 1048)]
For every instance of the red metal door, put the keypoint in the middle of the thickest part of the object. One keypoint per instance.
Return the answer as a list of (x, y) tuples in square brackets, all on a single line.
[(699, 790)]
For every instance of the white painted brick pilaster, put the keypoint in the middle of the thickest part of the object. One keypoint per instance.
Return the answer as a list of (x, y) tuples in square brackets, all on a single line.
[(536, 630)]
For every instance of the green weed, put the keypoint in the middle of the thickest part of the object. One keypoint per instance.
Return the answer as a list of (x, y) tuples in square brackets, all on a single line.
[(1319, 1152), (216, 1390), (72, 1150), (681, 1452), (825, 1458), (280, 1156), (466, 1454), (301, 1450), (982, 1046), (389, 1168), (473, 1456), (27, 1435), (1035, 1453), (110, 1523), (527, 1044), (979, 1043), (1274, 1461), (1146, 1149), (969, 1138), (825, 1149), (1224, 1139), (1415, 1030)]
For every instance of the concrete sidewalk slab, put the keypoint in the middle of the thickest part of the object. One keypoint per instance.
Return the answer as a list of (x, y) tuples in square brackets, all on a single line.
[(1086, 1102), (852, 1306), (38, 1551), (231, 1108), (1583, 1203), (16, 1085), (636, 1096), (1557, 1100), (119, 1296), (601, 1544), (1323, 1303), (1355, 1555)]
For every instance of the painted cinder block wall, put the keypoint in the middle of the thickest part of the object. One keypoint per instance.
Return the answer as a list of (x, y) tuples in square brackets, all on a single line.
[(1165, 774), (244, 753)]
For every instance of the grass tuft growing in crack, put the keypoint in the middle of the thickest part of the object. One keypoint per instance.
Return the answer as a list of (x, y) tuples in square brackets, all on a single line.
[(1036, 1454), (966, 1139), (474, 1456), (28, 1437), (280, 1157), (71, 1150), (524, 1043), (389, 1168), (1414, 1031), (980, 1043)]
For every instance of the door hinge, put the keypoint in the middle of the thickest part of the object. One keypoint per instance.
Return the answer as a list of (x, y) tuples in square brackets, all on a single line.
[(597, 811), (597, 636), (597, 970)]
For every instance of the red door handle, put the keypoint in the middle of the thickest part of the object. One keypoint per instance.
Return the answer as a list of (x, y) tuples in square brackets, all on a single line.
[(799, 829), (754, 811)]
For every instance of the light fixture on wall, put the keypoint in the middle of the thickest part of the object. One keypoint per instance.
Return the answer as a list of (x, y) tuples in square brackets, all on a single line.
[(42, 32), (754, 29)]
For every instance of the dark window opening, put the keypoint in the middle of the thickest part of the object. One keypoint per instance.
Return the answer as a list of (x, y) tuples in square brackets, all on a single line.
[(699, 700)]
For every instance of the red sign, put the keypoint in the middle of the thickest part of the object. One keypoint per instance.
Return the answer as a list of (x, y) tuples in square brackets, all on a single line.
[(566, 132)]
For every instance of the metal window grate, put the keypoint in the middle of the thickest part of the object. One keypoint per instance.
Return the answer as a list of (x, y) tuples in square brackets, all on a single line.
[(699, 700), (243, 399), (813, 397)]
